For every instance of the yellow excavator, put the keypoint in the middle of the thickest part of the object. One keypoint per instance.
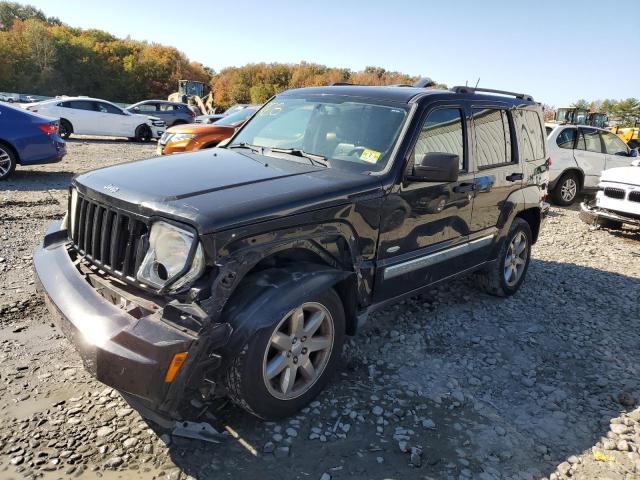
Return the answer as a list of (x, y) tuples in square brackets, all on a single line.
[(580, 116), (191, 92), (629, 135)]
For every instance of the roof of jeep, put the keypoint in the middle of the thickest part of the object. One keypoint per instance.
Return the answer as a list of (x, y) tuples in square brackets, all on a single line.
[(393, 93)]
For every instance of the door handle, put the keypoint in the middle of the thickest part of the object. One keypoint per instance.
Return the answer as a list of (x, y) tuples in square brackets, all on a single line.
[(514, 177), (464, 187)]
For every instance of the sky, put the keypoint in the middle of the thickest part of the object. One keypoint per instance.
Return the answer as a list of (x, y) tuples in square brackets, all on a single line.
[(558, 51)]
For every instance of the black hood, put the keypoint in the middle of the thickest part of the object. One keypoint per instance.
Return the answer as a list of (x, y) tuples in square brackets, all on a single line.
[(218, 188)]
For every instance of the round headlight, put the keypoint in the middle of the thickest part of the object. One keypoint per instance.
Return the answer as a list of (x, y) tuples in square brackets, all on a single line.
[(169, 252)]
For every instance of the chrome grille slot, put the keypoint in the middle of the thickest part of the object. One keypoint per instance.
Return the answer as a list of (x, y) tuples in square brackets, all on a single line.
[(108, 238)]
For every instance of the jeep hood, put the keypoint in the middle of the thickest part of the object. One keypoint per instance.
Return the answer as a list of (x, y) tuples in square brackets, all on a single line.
[(627, 175), (215, 189)]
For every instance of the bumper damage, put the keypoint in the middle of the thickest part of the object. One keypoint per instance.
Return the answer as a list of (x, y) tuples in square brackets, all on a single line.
[(592, 215), (126, 345)]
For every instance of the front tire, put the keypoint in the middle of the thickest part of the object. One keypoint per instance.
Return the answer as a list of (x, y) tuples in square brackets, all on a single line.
[(566, 190), (65, 129), (143, 133), (284, 367), (507, 273), (8, 161)]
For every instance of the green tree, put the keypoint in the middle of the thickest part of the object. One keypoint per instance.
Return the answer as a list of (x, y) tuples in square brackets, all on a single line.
[(12, 11), (582, 103)]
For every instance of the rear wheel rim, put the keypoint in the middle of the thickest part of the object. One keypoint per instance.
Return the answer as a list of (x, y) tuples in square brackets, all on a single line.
[(298, 351), (516, 259), (568, 190), (5, 162)]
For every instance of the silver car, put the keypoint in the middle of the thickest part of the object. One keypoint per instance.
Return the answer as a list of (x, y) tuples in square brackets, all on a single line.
[(173, 113)]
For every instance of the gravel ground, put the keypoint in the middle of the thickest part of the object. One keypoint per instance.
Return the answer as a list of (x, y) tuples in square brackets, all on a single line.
[(454, 384)]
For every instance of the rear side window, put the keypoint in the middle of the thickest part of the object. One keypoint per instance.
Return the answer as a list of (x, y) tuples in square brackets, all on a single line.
[(566, 138), (441, 132), (589, 140), (530, 135), (493, 137)]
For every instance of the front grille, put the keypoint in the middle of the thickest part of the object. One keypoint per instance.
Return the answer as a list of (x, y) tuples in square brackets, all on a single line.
[(614, 192), (110, 239), (634, 196)]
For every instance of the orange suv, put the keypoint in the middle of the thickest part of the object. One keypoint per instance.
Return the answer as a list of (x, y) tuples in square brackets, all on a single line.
[(196, 136)]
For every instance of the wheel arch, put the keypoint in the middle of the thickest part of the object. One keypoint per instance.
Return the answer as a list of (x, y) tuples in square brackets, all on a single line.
[(577, 170), (534, 218), (12, 147)]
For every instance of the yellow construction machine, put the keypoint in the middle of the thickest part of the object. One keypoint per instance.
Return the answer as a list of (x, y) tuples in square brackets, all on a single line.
[(191, 92), (580, 116)]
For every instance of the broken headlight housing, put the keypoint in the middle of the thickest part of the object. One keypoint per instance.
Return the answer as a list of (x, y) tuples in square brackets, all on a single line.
[(174, 259)]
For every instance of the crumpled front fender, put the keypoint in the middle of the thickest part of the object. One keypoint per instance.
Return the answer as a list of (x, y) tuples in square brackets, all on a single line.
[(265, 297)]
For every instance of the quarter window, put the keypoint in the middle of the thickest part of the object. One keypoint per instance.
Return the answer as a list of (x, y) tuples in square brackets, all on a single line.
[(441, 132), (613, 145), (589, 140), (493, 137), (531, 140), (566, 138)]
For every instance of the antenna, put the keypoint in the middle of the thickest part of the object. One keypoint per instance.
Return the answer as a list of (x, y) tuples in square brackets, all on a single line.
[(477, 83)]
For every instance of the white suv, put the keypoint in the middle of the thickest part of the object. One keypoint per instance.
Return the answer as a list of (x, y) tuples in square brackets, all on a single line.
[(578, 155), (91, 116)]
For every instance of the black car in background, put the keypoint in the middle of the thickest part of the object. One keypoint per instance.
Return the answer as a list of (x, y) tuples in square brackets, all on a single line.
[(238, 271)]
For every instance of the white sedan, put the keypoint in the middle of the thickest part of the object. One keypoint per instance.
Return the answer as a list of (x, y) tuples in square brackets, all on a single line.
[(618, 199), (579, 154), (92, 116)]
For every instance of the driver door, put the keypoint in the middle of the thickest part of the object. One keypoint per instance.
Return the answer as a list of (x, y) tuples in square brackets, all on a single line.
[(425, 225)]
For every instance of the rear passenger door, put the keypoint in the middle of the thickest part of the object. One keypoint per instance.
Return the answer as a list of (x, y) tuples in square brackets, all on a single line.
[(495, 161), (589, 155)]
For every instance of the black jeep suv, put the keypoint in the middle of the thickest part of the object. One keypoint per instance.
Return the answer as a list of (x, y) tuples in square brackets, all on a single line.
[(238, 271)]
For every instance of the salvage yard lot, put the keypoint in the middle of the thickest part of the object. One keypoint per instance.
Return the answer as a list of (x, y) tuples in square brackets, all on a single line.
[(452, 384)]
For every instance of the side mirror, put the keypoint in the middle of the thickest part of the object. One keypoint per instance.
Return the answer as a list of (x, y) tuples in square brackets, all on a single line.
[(437, 167), (633, 152)]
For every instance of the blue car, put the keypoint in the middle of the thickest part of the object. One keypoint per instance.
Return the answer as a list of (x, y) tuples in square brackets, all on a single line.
[(27, 139)]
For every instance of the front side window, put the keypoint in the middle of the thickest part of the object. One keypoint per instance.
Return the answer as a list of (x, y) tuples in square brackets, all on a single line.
[(613, 145), (82, 105), (589, 140), (441, 132), (531, 140), (493, 137), (166, 107), (351, 133), (108, 108), (566, 138)]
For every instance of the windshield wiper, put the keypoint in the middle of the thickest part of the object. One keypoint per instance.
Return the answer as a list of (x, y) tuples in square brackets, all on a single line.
[(253, 148), (314, 158)]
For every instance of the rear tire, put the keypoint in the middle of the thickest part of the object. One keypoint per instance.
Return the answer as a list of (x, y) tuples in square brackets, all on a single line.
[(566, 190), (65, 129), (513, 253), (143, 133), (258, 379), (8, 161)]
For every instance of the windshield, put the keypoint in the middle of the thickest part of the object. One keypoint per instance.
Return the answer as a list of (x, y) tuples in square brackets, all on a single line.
[(234, 118), (350, 133)]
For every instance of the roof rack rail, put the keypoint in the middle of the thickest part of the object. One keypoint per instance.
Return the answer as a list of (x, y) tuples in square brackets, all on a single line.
[(465, 89)]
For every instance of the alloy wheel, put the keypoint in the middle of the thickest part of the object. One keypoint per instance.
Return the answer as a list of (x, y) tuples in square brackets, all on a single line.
[(568, 190), (298, 351), (5, 162), (516, 259)]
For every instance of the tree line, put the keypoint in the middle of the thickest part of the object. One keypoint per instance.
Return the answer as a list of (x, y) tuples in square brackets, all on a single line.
[(41, 55)]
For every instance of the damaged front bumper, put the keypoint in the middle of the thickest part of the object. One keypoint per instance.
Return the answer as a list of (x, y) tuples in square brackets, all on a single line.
[(124, 344), (591, 214)]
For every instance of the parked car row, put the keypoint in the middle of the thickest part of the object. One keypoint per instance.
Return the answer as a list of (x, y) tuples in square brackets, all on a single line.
[(579, 155), (27, 139)]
